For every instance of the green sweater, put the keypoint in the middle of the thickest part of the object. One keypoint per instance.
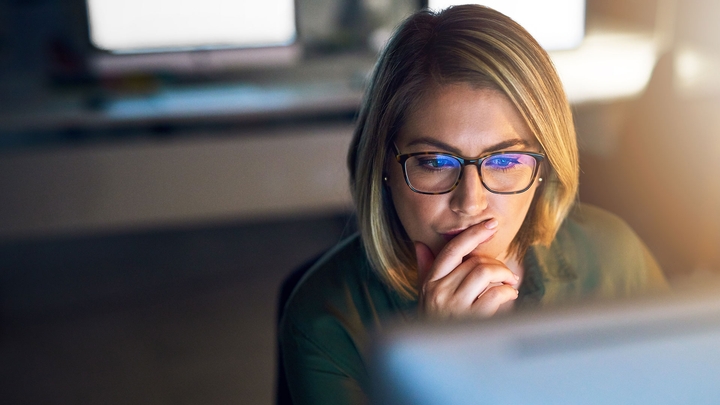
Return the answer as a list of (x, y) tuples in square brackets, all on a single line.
[(328, 319)]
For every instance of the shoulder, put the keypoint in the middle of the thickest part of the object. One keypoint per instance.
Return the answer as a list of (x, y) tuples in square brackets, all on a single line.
[(334, 307), (607, 257), (597, 226), (333, 281)]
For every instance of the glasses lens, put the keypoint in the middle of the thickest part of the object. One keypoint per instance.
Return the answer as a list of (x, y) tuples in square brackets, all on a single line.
[(432, 172), (508, 172)]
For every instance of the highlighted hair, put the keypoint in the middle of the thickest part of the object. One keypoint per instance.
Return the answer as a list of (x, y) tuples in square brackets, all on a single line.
[(483, 48)]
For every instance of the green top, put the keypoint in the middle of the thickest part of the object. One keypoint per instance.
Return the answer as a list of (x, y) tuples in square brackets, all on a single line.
[(325, 329)]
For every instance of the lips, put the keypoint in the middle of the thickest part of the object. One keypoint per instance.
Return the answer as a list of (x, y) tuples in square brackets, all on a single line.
[(448, 236)]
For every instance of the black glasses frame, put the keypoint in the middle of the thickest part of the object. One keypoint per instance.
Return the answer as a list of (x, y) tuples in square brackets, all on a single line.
[(402, 159)]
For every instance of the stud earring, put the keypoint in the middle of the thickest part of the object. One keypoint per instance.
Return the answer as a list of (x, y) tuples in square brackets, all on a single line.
[(385, 178), (539, 178)]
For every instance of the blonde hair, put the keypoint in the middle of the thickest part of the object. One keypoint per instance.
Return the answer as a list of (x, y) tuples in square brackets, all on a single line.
[(486, 49)]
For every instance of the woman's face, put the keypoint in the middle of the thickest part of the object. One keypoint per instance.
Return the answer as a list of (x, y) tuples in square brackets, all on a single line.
[(468, 122)]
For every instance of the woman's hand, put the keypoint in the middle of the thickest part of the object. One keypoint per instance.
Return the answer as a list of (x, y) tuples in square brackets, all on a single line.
[(458, 284)]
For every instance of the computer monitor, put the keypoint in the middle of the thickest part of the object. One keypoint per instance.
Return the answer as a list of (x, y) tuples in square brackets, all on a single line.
[(190, 36), (653, 351)]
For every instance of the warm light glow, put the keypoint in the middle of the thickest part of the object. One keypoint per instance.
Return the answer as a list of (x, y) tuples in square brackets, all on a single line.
[(555, 24), (607, 66), (696, 71), (153, 25)]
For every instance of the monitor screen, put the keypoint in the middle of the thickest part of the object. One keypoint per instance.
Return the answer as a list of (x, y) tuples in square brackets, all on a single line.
[(134, 26), (647, 352), (149, 36), (555, 24)]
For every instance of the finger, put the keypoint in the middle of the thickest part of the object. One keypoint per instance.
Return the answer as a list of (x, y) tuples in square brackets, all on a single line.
[(485, 273), (425, 260), (452, 281), (488, 303), (453, 253)]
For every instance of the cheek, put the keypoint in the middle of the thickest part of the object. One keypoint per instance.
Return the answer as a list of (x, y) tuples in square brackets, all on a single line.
[(515, 210), (411, 210), (511, 210), (414, 210)]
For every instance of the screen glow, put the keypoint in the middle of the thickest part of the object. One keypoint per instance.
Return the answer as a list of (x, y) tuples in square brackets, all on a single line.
[(130, 26)]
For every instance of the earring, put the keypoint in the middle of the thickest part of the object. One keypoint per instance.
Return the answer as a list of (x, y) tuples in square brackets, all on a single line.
[(385, 178), (539, 178)]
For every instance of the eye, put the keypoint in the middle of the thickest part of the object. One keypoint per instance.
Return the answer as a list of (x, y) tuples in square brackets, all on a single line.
[(437, 162), (502, 162)]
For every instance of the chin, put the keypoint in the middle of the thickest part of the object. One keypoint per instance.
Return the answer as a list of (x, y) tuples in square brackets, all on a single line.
[(493, 248)]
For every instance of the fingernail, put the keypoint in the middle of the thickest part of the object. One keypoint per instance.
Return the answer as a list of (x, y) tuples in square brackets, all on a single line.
[(491, 223), (517, 292), (516, 276)]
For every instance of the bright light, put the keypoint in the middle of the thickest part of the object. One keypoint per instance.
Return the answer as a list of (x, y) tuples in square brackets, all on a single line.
[(696, 71), (555, 24), (607, 66), (152, 25)]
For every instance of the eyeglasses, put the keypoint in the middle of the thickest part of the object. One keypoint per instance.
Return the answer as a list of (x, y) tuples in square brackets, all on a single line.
[(440, 173)]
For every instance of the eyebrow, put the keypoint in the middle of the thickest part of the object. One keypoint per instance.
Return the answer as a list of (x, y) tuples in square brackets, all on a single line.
[(510, 143)]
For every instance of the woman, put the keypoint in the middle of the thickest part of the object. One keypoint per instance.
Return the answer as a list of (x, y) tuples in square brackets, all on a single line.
[(464, 173)]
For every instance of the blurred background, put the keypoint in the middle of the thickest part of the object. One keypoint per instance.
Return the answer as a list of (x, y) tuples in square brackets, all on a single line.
[(151, 202)]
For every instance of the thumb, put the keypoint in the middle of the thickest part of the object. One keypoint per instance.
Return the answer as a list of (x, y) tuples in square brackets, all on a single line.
[(425, 259)]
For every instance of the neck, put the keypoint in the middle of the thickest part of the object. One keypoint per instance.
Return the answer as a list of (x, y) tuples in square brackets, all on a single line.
[(515, 265)]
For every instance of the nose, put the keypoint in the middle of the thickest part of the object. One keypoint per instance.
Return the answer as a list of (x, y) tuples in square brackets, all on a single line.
[(470, 197)]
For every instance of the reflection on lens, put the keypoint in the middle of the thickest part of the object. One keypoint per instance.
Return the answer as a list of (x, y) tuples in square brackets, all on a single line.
[(432, 173), (508, 172), (437, 173)]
